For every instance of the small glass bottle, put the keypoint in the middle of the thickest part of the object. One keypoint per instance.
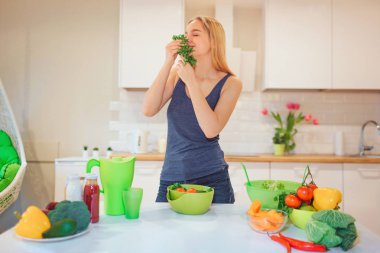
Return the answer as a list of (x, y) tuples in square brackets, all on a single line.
[(73, 189), (91, 196)]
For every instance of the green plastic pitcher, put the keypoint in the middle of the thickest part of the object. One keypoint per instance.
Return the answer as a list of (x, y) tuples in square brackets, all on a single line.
[(116, 175)]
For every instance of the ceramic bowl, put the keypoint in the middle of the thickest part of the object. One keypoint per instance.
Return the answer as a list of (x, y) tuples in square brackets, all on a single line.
[(300, 217), (269, 198), (190, 203)]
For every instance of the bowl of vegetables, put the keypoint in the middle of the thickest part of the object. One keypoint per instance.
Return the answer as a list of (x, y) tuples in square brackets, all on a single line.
[(190, 198), (300, 217), (263, 220), (268, 191)]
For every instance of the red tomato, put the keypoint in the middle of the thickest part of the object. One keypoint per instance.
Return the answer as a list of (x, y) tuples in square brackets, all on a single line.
[(312, 186), (191, 190), (292, 201), (304, 193), (180, 190)]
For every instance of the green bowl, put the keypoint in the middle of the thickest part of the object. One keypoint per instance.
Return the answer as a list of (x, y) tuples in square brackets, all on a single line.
[(269, 198), (190, 203), (300, 217)]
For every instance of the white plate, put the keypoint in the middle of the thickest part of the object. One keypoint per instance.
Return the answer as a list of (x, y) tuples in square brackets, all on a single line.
[(56, 239)]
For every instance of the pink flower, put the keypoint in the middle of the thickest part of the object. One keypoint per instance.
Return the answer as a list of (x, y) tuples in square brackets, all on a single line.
[(264, 111), (315, 122), (290, 106), (308, 117), (293, 106)]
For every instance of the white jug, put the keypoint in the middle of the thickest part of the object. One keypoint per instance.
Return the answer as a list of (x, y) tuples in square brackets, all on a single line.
[(140, 141)]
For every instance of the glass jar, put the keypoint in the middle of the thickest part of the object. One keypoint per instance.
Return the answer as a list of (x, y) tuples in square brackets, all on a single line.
[(73, 189), (91, 196)]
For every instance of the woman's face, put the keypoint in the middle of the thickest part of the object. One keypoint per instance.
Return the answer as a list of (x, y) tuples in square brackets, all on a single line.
[(198, 38)]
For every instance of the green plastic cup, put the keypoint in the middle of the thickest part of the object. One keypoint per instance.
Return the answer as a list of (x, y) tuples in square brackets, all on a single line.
[(132, 202)]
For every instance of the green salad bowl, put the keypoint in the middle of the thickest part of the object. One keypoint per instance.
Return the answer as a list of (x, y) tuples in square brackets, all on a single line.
[(190, 203), (269, 197), (300, 218)]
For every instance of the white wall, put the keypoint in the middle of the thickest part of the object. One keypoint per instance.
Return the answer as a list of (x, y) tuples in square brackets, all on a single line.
[(58, 63)]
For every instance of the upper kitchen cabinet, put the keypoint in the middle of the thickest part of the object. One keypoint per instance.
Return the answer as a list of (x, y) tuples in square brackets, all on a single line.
[(356, 44), (297, 44), (146, 26)]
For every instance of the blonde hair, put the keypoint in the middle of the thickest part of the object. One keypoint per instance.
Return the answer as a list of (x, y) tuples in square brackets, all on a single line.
[(218, 42)]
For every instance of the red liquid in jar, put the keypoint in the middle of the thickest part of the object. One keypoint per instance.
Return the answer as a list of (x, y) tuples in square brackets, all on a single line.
[(91, 199)]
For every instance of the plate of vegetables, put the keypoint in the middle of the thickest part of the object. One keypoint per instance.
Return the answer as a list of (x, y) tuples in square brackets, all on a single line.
[(57, 222)]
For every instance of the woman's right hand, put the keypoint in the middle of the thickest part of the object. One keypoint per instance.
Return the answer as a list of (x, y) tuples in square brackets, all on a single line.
[(171, 50)]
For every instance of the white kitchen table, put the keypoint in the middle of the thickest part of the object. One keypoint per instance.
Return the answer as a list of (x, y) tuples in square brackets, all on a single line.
[(223, 228)]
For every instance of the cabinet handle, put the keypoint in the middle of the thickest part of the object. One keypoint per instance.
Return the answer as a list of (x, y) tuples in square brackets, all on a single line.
[(369, 173)]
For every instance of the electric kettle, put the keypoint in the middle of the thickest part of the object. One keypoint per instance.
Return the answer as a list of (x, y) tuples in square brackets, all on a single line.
[(116, 176)]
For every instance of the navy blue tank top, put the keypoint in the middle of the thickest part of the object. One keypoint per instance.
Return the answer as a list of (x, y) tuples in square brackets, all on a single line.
[(189, 153)]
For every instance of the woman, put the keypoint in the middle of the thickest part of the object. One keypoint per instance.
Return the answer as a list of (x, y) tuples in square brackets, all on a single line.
[(202, 101)]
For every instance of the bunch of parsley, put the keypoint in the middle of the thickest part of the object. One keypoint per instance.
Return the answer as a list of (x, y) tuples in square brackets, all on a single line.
[(185, 49)]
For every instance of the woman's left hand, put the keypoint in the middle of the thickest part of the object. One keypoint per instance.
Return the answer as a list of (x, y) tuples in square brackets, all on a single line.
[(185, 72)]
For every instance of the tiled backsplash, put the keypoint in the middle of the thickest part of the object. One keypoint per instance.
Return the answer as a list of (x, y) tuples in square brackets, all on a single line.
[(249, 132)]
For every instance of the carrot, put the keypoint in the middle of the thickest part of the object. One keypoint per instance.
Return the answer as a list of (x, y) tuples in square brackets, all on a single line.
[(255, 207)]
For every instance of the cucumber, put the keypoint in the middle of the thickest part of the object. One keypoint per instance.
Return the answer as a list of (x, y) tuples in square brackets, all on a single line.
[(64, 227)]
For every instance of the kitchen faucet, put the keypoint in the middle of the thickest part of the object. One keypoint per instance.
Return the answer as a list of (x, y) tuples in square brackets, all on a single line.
[(363, 147)]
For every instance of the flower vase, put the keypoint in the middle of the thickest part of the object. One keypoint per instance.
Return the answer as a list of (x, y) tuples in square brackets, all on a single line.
[(279, 149)]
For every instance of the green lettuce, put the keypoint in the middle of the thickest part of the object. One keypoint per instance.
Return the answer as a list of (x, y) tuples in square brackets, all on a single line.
[(321, 233), (334, 218), (348, 235), (332, 228)]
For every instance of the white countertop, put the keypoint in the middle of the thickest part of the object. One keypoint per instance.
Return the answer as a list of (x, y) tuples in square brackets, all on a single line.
[(159, 229)]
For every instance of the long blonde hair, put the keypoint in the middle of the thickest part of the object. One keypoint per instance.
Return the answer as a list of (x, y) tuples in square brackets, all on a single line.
[(218, 42)]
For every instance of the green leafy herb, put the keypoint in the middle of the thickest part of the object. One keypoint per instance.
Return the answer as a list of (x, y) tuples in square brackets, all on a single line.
[(176, 186), (185, 50), (273, 185), (281, 203)]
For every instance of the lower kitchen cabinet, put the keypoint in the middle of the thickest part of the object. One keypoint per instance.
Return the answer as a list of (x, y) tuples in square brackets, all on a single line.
[(147, 176), (255, 171), (361, 193), (324, 174)]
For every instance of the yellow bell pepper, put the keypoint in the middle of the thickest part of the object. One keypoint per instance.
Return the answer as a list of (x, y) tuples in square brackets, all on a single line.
[(33, 223), (326, 198)]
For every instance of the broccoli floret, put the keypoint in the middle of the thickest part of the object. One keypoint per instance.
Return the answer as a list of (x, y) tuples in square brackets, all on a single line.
[(76, 210)]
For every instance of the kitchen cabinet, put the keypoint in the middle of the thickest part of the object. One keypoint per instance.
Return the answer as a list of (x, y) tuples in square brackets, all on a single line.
[(146, 26), (256, 171), (147, 176), (297, 44), (322, 44), (324, 174), (361, 191), (356, 44)]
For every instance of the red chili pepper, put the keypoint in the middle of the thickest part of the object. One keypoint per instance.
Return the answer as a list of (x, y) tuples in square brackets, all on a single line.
[(281, 241), (304, 246)]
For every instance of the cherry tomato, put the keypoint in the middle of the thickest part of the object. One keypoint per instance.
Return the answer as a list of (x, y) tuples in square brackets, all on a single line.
[(191, 190), (292, 201), (312, 186), (180, 190), (304, 193)]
